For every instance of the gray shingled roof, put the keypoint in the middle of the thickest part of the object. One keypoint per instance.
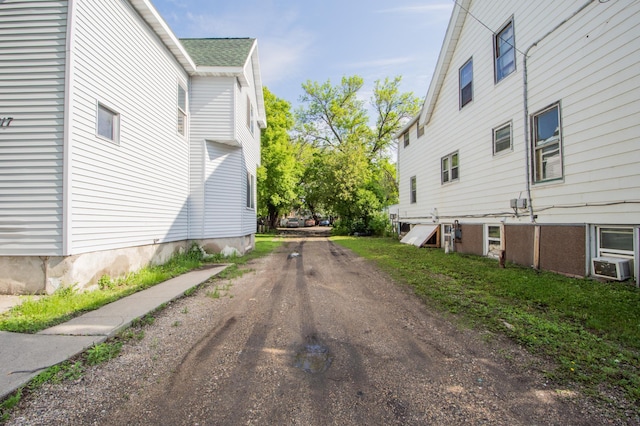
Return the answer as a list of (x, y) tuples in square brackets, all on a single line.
[(218, 52)]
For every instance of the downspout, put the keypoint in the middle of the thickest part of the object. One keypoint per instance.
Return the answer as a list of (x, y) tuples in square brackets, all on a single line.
[(528, 155)]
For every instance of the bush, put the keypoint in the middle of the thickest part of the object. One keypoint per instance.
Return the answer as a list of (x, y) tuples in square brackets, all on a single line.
[(380, 225)]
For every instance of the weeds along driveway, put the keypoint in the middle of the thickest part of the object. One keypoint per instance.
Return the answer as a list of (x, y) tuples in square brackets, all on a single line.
[(313, 335)]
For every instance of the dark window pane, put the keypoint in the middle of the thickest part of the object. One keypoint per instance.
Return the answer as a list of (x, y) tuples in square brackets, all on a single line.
[(466, 83), (502, 139), (182, 99), (466, 95), (105, 122), (616, 239)]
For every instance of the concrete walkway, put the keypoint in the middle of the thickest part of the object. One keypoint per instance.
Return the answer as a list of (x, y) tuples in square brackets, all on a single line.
[(23, 356)]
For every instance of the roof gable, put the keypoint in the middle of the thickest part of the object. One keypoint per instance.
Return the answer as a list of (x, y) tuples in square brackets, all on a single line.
[(444, 59)]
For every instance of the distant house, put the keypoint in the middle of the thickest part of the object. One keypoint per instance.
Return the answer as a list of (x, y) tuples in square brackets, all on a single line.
[(120, 144), (535, 160)]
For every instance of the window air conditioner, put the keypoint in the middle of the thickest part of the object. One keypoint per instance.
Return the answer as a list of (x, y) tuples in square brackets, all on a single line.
[(611, 267)]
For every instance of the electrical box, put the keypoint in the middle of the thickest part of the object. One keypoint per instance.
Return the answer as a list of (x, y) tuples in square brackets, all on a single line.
[(518, 203), (611, 267)]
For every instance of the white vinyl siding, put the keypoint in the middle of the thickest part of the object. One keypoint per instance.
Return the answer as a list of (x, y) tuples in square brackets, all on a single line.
[(32, 75), (212, 105), (250, 143), (217, 184), (589, 65), (224, 193), (134, 193)]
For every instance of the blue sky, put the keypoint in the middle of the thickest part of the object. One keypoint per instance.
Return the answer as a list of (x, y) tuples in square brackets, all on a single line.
[(324, 40)]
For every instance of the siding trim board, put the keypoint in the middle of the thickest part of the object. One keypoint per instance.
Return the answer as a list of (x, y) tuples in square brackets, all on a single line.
[(67, 222)]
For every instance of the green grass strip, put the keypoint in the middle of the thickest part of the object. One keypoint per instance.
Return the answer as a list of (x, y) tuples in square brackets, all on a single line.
[(38, 314), (589, 328)]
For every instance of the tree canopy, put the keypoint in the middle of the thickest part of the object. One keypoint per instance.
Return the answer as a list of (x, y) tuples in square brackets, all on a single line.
[(279, 172), (350, 173), (331, 157)]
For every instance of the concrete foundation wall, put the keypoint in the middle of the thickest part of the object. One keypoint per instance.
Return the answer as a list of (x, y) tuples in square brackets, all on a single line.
[(43, 275), (242, 244)]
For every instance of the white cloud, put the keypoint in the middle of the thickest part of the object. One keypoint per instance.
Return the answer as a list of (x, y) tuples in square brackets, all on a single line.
[(282, 57)]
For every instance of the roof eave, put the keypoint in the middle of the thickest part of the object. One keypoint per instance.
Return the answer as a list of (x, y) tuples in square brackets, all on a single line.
[(449, 44), (214, 71), (160, 27), (257, 78)]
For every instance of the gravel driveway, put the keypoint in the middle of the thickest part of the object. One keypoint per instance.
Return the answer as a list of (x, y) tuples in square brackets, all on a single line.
[(313, 335)]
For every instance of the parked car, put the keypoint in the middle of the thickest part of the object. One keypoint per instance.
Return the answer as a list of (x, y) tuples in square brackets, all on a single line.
[(293, 222), (324, 222), (310, 222)]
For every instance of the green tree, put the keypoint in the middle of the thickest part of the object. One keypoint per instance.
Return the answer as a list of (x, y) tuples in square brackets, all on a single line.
[(279, 172), (351, 174)]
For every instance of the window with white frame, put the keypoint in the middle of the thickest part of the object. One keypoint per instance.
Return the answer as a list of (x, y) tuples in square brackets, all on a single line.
[(413, 190), (405, 138), (466, 83), (107, 123), (251, 185), (449, 168), (504, 47), (182, 110), (615, 241), (250, 118), (493, 240), (547, 144), (502, 138)]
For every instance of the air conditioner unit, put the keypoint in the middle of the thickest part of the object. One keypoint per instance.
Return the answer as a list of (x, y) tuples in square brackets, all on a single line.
[(611, 267)]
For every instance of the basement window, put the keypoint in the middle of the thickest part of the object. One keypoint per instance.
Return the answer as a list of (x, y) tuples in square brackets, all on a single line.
[(493, 241), (615, 241)]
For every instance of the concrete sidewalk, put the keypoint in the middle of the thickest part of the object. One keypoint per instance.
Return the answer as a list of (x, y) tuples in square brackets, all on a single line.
[(23, 356)]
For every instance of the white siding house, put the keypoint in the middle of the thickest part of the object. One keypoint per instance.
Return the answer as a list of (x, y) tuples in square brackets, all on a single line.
[(535, 160), (117, 147), (227, 115)]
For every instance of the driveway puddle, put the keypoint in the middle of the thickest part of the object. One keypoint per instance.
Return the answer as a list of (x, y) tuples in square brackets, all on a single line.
[(313, 357)]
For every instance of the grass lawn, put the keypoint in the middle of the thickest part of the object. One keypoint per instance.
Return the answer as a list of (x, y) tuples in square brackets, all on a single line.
[(590, 329), (34, 315)]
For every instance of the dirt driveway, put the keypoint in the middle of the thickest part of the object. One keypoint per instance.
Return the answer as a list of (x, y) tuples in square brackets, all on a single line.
[(313, 335)]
